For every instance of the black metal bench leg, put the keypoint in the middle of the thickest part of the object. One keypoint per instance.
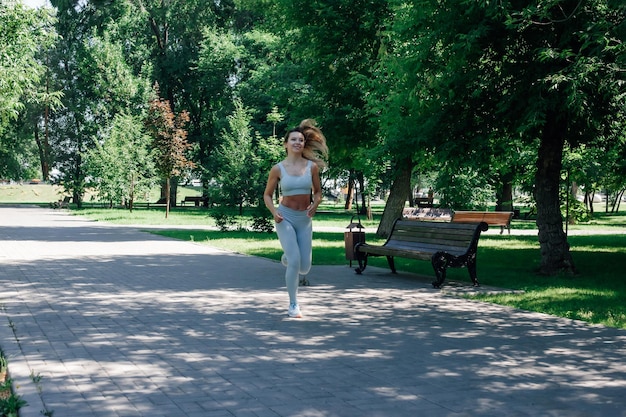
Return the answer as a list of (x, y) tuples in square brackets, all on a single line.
[(362, 258), (392, 264), (471, 268), (440, 263)]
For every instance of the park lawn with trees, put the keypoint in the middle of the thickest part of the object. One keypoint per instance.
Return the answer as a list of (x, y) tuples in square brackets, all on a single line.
[(482, 101), (595, 295)]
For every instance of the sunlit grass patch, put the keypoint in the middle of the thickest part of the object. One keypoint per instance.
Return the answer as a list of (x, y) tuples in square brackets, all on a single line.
[(601, 306)]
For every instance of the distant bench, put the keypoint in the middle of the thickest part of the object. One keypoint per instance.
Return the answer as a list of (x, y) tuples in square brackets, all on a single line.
[(492, 218), (144, 204), (193, 199), (444, 244), (427, 214), (423, 201)]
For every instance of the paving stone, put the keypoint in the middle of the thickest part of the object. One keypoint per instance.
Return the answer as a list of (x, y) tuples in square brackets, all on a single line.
[(121, 322)]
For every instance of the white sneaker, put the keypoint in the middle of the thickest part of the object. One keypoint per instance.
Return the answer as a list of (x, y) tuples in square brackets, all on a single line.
[(283, 260), (294, 311)]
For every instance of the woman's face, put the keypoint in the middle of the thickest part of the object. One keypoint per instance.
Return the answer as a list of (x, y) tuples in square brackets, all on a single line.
[(294, 142)]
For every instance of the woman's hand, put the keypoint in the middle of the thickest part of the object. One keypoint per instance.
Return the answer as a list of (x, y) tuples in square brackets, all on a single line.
[(310, 211), (278, 217)]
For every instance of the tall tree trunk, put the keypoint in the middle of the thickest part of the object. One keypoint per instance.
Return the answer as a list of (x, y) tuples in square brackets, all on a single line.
[(43, 159), (131, 194), (361, 180), (169, 191), (555, 254), (348, 205), (173, 191), (397, 197), (167, 197), (504, 197), (78, 188), (45, 145)]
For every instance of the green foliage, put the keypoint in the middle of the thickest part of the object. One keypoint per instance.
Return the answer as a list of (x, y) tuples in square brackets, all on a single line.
[(273, 152), (169, 137), (26, 35), (10, 406), (478, 82), (169, 141), (122, 167), (10, 403), (262, 224), (333, 46), (99, 84), (577, 211), (240, 175), (599, 167), (18, 156), (23, 32), (111, 80), (217, 60), (224, 220), (463, 189), (181, 39)]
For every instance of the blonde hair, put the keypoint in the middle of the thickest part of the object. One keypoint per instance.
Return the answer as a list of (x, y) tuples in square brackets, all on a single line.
[(315, 148)]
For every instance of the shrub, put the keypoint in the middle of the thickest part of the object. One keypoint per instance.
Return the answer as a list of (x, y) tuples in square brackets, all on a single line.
[(262, 224), (224, 221)]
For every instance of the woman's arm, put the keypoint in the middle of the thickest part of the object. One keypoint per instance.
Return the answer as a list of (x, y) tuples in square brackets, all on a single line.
[(268, 194)]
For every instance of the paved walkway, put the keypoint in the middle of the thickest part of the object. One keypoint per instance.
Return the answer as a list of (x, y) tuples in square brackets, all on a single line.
[(119, 322)]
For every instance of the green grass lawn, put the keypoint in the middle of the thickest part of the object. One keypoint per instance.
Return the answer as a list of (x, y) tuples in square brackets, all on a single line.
[(596, 295), (43, 194)]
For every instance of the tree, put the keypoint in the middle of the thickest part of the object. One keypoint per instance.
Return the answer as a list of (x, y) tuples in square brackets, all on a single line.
[(19, 70), (24, 35), (122, 167), (398, 195), (217, 64), (333, 45), (158, 41), (93, 67), (169, 140), (474, 77), (176, 34), (239, 172)]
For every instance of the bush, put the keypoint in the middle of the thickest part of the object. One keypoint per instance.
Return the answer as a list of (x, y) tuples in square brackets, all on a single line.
[(577, 212), (262, 224), (224, 221)]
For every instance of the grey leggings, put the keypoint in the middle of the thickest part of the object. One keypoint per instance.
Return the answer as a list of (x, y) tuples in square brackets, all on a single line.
[(295, 233)]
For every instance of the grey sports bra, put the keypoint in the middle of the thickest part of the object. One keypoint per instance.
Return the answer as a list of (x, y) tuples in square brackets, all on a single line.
[(296, 184)]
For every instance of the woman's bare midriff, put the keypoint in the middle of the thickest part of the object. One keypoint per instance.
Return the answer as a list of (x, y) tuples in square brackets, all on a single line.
[(298, 202)]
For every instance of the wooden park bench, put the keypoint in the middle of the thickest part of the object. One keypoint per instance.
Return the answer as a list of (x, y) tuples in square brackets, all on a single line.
[(444, 244), (424, 202), (492, 218), (192, 199), (427, 214)]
